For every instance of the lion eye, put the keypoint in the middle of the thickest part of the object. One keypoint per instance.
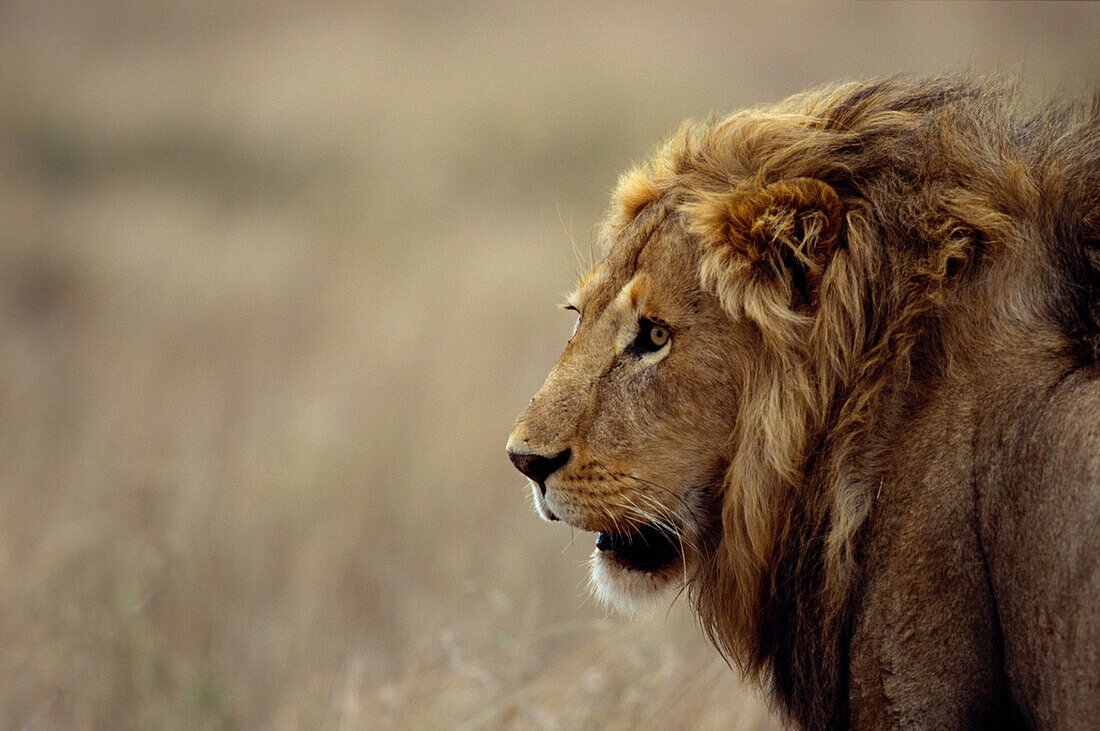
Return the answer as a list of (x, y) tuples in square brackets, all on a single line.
[(578, 322), (651, 336)]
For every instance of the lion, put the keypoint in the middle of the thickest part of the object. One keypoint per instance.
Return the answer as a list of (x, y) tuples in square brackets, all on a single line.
[(837, 377)]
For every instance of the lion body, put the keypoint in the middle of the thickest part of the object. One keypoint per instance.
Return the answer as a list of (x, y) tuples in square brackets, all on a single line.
[(874, 430), (979, 604)]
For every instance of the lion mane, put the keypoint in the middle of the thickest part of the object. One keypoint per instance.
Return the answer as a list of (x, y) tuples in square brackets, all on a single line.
[(887, 241)]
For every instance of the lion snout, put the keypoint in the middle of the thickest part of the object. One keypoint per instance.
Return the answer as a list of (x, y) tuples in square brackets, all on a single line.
[(538, 466)]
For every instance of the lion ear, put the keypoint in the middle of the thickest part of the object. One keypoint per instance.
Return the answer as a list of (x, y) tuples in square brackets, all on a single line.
[(781, 237)]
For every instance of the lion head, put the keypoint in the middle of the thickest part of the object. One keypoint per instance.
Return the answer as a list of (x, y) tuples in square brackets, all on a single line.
[(708, 343)]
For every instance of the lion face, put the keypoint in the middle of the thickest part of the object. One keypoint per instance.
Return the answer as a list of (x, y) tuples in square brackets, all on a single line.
[(626, 438)]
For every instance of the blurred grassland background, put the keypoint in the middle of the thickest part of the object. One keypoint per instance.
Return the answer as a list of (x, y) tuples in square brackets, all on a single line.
[(274, 281)]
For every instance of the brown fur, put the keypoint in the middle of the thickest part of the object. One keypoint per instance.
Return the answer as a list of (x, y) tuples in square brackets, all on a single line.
[(877, 427)]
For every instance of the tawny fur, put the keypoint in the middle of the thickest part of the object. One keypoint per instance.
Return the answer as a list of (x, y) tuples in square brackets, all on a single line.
[(892, 294)]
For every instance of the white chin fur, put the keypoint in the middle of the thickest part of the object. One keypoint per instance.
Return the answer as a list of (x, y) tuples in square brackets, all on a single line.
[(631, 592)]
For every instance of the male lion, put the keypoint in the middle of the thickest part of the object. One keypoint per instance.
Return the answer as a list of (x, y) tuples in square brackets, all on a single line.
[(839, 375)]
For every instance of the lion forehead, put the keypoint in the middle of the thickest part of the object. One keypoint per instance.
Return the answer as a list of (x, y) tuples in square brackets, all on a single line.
[(654, 259)]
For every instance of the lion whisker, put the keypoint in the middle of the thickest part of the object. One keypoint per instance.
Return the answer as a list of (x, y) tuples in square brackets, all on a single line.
[(670, 520), (667, 520)]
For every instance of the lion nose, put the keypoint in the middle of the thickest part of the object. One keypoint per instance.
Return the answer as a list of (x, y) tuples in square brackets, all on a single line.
[(538, 467)]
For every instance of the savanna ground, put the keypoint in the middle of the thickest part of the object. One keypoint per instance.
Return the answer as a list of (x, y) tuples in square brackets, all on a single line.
[(274, 281)]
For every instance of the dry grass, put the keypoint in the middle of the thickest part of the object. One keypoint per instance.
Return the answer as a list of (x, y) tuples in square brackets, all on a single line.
[(274, 282)]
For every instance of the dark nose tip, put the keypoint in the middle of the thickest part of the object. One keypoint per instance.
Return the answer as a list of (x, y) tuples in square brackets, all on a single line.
[(537, 467)]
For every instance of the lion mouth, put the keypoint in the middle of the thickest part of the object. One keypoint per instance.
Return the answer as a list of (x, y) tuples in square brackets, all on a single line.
[(647, 549)]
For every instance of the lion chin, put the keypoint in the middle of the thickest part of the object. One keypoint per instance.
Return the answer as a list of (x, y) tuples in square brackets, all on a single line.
[(633, 574), (628, 591)]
